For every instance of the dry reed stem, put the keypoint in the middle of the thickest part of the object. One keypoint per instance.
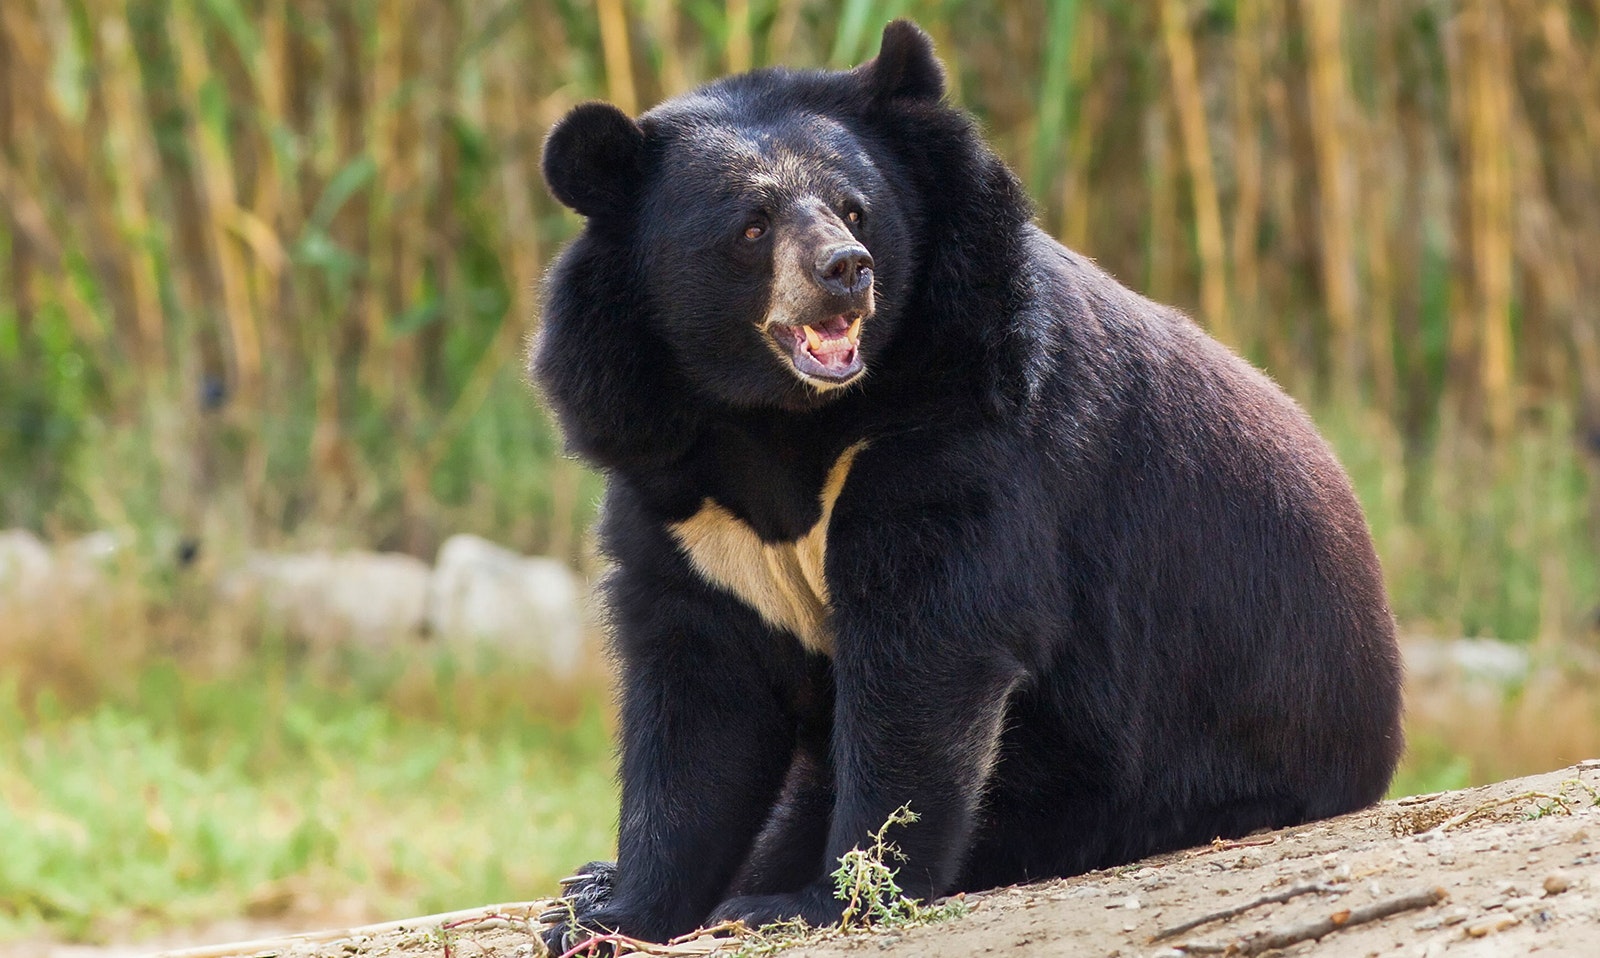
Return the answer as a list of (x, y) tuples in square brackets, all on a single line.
[(1327, 93), (1185, 77), (1490, 138), (1375, 186), (1283, 181), (215, 188), (130, 151), (618, 56), (741, 56), (1161, 238), (1247, 164), (1077, 188)]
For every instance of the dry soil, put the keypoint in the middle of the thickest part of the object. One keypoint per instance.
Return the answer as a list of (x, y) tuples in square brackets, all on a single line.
[(1515, 869)]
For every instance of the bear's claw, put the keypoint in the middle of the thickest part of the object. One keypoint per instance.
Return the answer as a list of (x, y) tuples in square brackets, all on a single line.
[(584, 893)]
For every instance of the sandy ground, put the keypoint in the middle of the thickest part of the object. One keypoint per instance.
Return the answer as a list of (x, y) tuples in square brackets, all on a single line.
[(1515, 869)]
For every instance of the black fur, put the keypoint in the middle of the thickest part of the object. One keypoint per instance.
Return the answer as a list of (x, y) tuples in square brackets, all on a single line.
[(1097, 587), (593, 160)]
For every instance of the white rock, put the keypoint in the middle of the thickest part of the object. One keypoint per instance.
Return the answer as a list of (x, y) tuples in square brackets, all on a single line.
[(100, 548), (482, 592), (369, 598), (84, 567), (25, 563)]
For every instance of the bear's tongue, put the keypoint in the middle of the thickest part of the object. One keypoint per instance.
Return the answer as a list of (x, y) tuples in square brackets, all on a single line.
[(831, 342)]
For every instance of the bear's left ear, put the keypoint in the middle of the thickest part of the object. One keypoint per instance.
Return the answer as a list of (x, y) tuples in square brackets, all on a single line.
[(594, 160), (905, 67)]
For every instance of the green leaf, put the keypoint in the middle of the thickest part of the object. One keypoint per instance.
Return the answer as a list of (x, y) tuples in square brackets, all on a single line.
[(416, 317), (353, 177)]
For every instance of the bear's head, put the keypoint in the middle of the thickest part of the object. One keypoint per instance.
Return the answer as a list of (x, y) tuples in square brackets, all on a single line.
[(765, 218)]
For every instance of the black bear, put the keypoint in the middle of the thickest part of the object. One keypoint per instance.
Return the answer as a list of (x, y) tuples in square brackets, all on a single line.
[(907, 504)]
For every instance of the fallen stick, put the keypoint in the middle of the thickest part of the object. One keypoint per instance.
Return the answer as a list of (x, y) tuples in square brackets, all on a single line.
[(1228, 844), (1316, 930), (513, 911), (1226, 913), (695, 944)]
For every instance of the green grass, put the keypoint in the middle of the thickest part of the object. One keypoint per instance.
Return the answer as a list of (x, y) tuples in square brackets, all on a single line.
[(161, 795), (279, 787), (1430, 765), (1499, 547)]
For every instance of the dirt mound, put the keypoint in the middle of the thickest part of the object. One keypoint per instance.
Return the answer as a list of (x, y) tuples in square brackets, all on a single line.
[(1505, 869)]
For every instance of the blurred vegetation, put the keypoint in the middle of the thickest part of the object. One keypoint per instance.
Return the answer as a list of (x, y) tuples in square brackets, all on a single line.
[(284, 801), (267, 268), (269, 264), (171, 764)]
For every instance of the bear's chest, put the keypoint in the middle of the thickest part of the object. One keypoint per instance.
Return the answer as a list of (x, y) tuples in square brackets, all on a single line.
[(783, 580)]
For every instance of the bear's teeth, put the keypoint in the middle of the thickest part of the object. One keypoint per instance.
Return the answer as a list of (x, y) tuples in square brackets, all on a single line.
[(812, 339), (854, 332)]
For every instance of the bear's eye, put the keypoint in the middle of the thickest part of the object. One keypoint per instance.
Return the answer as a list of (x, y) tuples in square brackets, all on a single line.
[(854, 216), (755, 231)]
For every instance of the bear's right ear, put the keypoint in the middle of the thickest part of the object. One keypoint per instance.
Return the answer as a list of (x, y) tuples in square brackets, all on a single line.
[(594, 160), (906, 66)]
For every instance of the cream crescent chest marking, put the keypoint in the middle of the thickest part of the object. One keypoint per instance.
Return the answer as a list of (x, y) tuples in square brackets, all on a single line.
[(783, 581)]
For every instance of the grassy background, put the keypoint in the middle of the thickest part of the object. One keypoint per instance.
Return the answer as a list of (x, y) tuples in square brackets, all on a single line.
[(163, 764), (267, 268)]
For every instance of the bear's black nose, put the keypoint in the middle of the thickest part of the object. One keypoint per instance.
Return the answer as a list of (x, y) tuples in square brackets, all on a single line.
[(845, 269)]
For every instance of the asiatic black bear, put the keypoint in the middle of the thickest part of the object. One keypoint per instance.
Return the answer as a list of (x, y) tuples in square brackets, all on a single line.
[(909, 504)]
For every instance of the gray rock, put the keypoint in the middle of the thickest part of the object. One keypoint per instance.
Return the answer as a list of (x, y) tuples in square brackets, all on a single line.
[(1483, 660), (532, 607), (367, 598)]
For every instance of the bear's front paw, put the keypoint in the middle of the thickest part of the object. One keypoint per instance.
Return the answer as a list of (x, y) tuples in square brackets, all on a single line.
[(815, 905), (582, 910)]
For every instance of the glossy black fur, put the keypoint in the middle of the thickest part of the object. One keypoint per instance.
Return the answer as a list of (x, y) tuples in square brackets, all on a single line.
[(1098, 588)]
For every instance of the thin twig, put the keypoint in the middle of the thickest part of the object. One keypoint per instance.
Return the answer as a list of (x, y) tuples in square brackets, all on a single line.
[(1220, 844), (591, 944), (1316, 930), (695, 943), (1226, 844), (1488, 806), (485, 921), (1277, 898), (734, 925)]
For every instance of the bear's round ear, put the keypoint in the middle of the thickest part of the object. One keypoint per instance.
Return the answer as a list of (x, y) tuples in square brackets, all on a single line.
[(905, 66), (594, 160)]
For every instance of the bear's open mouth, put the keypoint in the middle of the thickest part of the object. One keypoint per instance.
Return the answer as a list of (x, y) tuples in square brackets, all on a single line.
[(827, 349)]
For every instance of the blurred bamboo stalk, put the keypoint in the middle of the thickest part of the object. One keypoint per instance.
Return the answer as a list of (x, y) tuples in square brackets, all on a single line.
[(1327, 93), (219, 209), (1077, 190), (741, 56), (1480, 342), (1376, 181), (1247, 95), (1284, 193), (618, 56), (1161, 239), (1186, 88), (1055, 92), (279, 211)]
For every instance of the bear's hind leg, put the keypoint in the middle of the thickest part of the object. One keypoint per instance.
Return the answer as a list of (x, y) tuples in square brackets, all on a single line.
[(788, 852)]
